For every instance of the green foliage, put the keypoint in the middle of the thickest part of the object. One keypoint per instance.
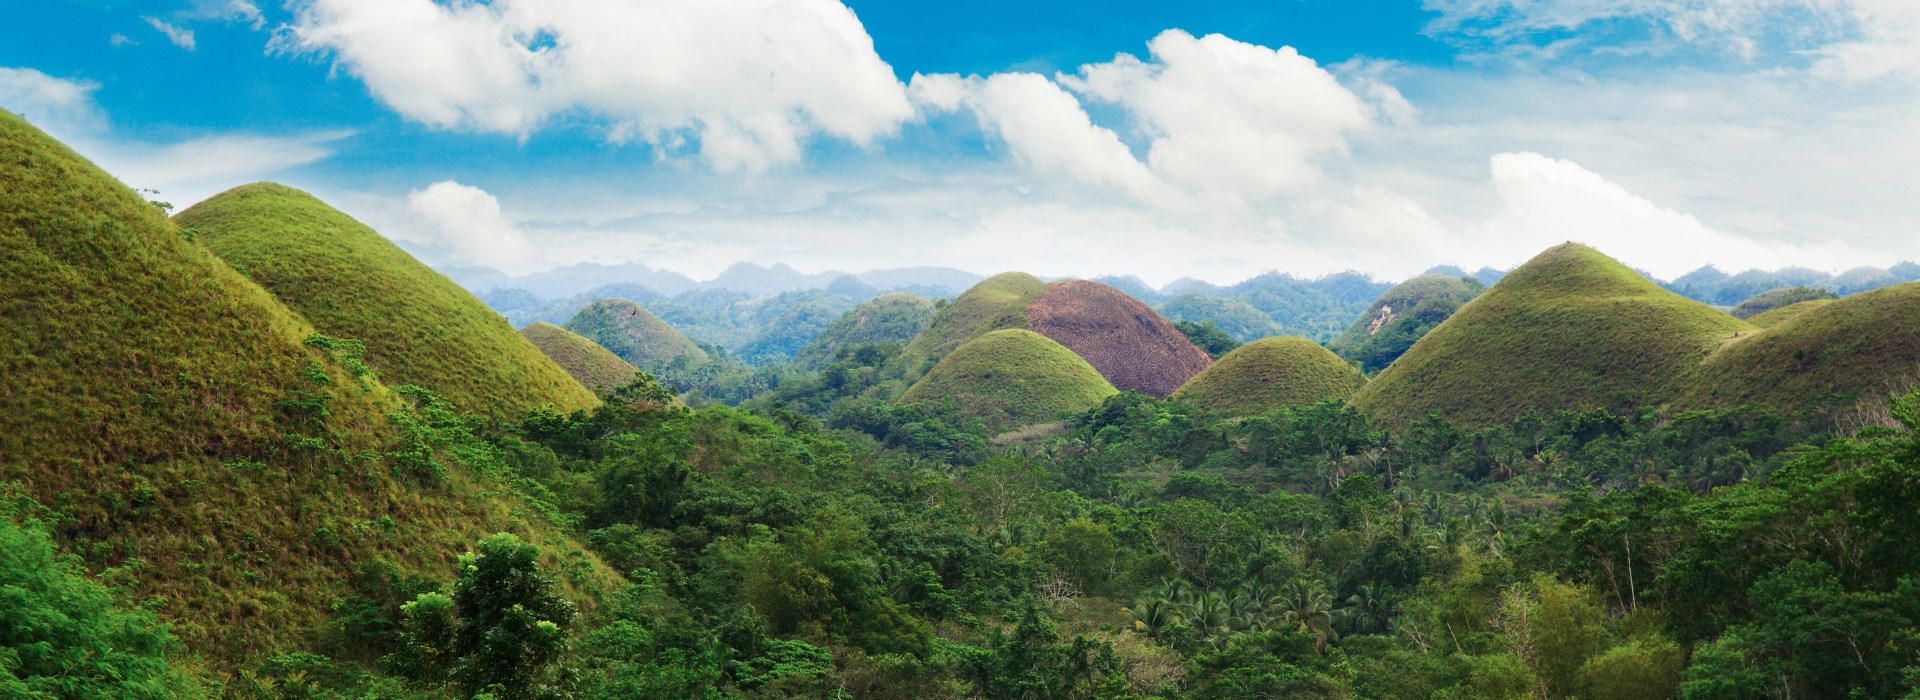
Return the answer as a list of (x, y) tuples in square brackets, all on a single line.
[(1268, 374), (503, 630), (639, 337), (1401, 317), (1861, 348), (1778, 299), (1237, 319), (64, 636), (889, 318), (1012, 378), (1207, 336), (418, 327)]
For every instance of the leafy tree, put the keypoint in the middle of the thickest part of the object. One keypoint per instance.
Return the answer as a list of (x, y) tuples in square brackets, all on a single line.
[(502, 632)]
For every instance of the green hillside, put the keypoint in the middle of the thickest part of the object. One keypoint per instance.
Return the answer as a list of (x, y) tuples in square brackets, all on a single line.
[(1863, 347), (1778, 299), (1011, 378), (186, 427), (997, 302), (889, 318), (593, 366), (1572, 328), (1780, 315), (1279, 372), (1401, 316), (419, 327), (636, 335)]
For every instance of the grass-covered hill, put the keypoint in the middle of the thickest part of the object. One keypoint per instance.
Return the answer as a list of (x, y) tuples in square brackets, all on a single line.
[(1133, 347), (1012, 378), (1238, 318), (636, 335), (1401, 316), (1862, 347), (1271, 373), (348, 281), (1775, 317), (896, 317), (593, 366), (192, 433), (1777, 299), (995, 303), (1572, 328)]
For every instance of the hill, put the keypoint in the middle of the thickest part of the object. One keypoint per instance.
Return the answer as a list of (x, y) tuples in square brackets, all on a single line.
[(593, 366), (1238, 318), (1012, 378), (1570, 329), (1780, 315), (1280, 372), (889, 318), (348, 281), (1863, 347), (1133, 347), (995, 303), (190, 428), (636, 335), (1401, 316), (1778, 298)]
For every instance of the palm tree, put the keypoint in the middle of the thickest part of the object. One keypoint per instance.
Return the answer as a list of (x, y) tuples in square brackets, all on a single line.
[(1310, 608), (1151, 616)]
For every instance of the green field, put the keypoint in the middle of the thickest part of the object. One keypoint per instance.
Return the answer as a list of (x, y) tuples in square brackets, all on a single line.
[(1778, 299), (1863, 347), (593, 366), (997, 302)]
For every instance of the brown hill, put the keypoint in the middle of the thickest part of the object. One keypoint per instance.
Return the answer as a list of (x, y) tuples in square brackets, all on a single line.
[(1133, 347)]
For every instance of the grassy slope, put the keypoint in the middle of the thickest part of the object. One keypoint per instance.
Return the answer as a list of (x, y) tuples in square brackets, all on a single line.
[(1403, 314), (420, 328), (1011, 378), (889, 318), (1866, 346), (1572, 328), (594, 366), (1280, 372), (1781, 315), (995, 303), (1777, 299), (634, 334), (137, 398)]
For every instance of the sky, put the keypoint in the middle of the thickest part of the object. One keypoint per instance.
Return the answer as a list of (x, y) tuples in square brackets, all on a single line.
[(1204, 138)]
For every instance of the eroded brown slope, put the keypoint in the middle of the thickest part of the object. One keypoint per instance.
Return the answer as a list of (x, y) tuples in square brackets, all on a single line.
[(1133, 347)]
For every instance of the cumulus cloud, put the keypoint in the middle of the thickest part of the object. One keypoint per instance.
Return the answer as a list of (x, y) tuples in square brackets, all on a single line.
[(180, 36), (1547, 201), (749, 80), (44, 99), (1043, 126), (1222, 115), (467, 224)]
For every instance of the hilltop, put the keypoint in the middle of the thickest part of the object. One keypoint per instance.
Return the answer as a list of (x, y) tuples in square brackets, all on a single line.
[(1777, 299), (1012, 378), (593, 366), (1133, 347), (1572, 328), (1777, 316), (348, 281), (995, 303), (889, 318), (189, 427), (1280, 372), (1401, 316), (1863, 347), (636, 335)]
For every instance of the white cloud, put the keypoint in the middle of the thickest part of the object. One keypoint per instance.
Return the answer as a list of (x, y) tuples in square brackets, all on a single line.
[(180, 36), (466, 222), (750, 80), (118, 40), (1226, 116), (1547, 201), (44, 99), (1043, 126)]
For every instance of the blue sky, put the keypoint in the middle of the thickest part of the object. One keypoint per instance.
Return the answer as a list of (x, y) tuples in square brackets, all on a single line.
[(1204, 138)]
